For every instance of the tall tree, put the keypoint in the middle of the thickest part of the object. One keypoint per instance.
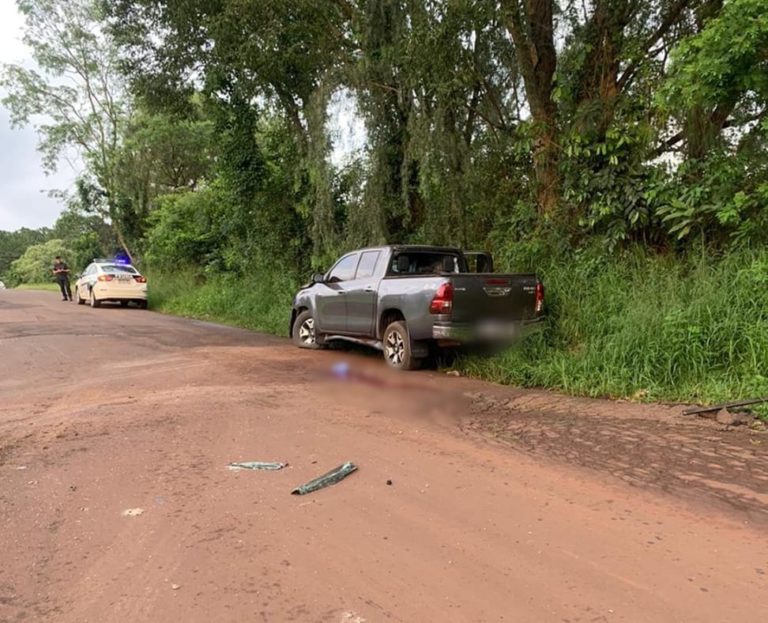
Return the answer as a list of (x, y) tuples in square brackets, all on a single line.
[(161, 154), (531, 26), (719, 76), (387, 100), (75, 98), (270, 54)]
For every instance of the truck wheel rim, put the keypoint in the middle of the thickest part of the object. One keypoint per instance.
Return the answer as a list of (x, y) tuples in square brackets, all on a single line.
[(395, 348), (307, 331)]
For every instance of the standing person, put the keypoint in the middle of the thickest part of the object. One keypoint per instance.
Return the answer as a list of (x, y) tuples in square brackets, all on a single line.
[(61, 274)]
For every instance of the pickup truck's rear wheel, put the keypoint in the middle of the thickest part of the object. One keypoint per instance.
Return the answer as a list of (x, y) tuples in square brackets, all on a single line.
[(397, 347), (304, 334)]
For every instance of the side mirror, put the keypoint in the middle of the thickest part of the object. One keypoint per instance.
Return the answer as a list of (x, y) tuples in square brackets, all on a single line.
[(318, 278), (77, 275)]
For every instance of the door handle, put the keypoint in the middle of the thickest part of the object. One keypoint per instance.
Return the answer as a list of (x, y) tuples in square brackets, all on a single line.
[(368, 289)]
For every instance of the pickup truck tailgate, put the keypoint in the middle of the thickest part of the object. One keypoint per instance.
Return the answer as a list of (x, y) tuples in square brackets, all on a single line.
[(479, 297)]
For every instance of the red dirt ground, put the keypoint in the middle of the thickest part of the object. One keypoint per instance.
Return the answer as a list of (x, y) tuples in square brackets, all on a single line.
[(505, 504)]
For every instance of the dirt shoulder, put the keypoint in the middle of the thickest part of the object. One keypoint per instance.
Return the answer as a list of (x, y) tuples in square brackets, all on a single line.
[(653, 447)]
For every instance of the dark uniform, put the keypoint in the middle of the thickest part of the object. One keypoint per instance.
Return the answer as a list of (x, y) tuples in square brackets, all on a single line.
[(61, 274)]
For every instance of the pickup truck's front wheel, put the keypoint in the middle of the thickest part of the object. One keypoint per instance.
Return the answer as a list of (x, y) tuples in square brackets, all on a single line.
[(397, 347), (304, 334)]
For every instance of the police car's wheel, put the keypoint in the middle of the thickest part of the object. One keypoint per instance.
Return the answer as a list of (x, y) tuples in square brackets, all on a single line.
[(94, 301), (80, 300)]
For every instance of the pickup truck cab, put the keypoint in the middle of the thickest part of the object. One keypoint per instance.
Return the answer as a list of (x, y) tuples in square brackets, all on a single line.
[(407, 300)]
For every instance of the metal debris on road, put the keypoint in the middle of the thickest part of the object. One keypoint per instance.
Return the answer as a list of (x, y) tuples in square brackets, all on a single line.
[(133, 512), (257, 465), (331, 478), (727, 405)]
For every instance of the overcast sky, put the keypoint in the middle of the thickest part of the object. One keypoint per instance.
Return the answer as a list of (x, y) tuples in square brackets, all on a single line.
[(23, 184)]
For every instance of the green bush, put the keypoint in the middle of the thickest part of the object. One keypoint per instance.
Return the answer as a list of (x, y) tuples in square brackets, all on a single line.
[(186, 229), (36, 263)]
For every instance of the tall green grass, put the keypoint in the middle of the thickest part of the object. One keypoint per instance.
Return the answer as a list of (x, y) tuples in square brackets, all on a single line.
[(259, 302), (650, 327), (641, 326)]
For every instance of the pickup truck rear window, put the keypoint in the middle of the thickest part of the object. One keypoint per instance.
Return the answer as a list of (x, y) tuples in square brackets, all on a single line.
[(420, 263)]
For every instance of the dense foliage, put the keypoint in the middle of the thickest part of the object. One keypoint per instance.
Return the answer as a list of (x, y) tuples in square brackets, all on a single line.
[(14, 243), (26, 255), (543, 130), (34, 266)]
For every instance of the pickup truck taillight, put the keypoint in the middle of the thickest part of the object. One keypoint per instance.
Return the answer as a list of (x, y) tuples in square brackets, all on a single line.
[(442, 302), (539, 297)]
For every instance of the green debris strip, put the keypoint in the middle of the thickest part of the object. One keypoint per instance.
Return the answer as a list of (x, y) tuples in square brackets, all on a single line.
[(331, 478)]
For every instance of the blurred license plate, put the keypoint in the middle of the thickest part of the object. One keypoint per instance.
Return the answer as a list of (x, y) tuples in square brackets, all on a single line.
[(497, 330), (123, 278)]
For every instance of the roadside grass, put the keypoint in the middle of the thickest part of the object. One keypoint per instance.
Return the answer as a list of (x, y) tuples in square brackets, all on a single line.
[(48, 287), (259, 302), (643, 327), (648, 328)]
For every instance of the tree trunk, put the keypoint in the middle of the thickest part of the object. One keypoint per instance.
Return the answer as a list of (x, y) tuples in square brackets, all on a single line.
[(703, 126), (531, 26), (598, 87), (121, 241), (545, 162)]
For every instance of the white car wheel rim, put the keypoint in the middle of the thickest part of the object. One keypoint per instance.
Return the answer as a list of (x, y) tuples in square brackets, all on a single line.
[(395, 348), (307, 331)]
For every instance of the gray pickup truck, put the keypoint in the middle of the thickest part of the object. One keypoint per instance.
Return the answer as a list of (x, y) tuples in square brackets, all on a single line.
[(407, 300)]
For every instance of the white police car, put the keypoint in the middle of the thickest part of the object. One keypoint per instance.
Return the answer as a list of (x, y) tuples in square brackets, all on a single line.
[(113, 281)]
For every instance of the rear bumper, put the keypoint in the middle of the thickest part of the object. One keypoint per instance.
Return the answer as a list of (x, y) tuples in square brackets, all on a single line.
[(107, 293), (477, 332)]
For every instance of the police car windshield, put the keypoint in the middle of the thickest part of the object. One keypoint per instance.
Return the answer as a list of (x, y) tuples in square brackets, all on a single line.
[(118, 268)]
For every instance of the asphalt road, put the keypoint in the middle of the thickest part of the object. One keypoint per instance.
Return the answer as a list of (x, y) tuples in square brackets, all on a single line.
[(504, 505)]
